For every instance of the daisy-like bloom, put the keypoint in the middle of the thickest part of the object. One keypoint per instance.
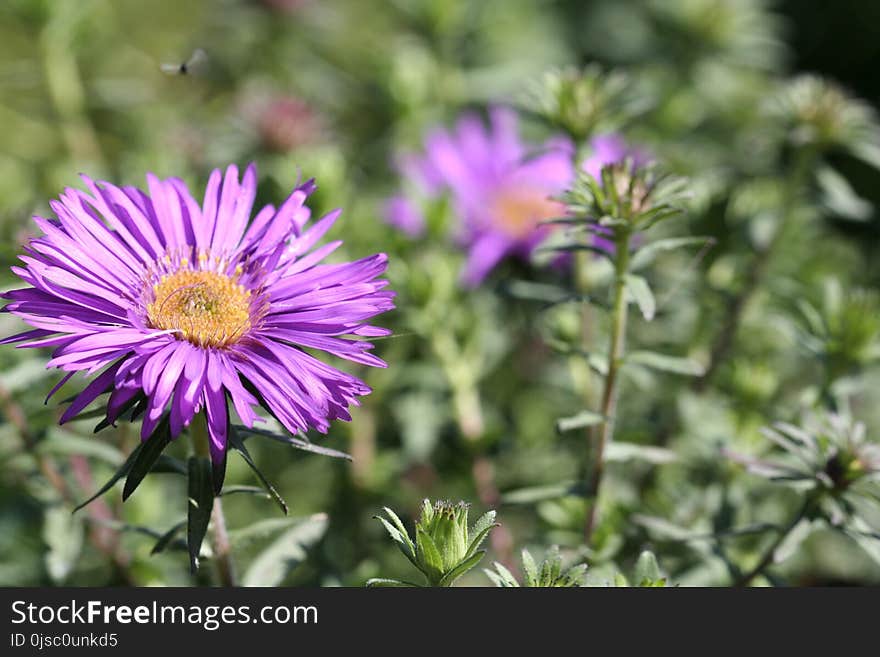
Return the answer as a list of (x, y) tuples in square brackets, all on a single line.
[(176, 307), (502, 189)]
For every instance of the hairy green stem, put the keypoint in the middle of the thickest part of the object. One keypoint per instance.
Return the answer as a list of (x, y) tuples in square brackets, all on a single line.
[(601, 434), (220, 544)]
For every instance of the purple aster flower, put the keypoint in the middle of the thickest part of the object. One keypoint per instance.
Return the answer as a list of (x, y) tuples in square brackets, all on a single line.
[(180, 307), (501, 188)]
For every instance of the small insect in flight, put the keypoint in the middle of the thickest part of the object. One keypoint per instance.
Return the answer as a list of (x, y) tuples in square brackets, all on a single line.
[(191, 65)]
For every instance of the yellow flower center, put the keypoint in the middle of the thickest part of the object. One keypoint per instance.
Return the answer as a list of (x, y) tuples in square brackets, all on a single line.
[(518, 211), (206, 308)]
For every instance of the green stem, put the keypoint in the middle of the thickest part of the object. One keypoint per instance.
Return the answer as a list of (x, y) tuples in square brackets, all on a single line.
[(220, 544), (767, 558), (600, 435)]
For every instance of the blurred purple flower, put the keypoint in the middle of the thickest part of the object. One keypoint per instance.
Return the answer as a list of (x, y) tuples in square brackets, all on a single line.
[(500, 188), (174, 304)]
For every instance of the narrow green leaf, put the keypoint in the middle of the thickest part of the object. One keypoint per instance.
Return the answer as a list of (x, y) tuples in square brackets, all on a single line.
[(479, 538), (534, 494), (579, 421), (150, 451), (243, 537), (647, 569), (200, 489), (530, 568), (449, 578), (259, 491), (662, 362), (840, 197), (501, 576), (169, 465), (64, 442), (64, 536), (641, 293), (298, 443), (430, 556), (868, 152), (119, 474), (623, 451), (286, 552), (166, 538), (794, 540), (125, 414), (238, 445), (646, 254), (381, 582)]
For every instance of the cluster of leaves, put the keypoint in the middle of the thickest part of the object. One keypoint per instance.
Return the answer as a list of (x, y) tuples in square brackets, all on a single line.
[(444, 548)]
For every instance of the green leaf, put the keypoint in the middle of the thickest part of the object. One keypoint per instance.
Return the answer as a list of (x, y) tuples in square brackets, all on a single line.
[(262, 529), (125, 412), (645, 255), (868, 152), (286, 552), (840, 197), (64, 442), (793, 540), (24, 375), (662, 528), (381, 582), (579, 421), (534, 494), (166, 538), (259, 491), (574, 248), (449, 578), (530, 568), (431, 561), (479, 538), (662, 362), (119, 474), (200, 489), (150, 451), (238, 445), (641, 293), (483, 522), (169, 465), (501, 576), (298, 443), (623, 451), (647, 569), (64, 536), (551, 295)]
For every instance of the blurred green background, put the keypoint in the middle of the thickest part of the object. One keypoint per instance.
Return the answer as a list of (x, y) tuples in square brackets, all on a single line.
[(332, 89)]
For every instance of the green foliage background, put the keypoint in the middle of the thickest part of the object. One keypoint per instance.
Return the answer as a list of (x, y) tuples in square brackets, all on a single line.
[(471, 390)]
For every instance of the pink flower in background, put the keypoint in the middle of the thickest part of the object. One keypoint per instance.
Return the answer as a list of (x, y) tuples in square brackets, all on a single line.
[(501, 188)]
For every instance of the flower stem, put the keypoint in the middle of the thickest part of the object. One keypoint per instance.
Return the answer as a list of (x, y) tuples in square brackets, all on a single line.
[(220, 544), (767, 558), (601, 434)]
